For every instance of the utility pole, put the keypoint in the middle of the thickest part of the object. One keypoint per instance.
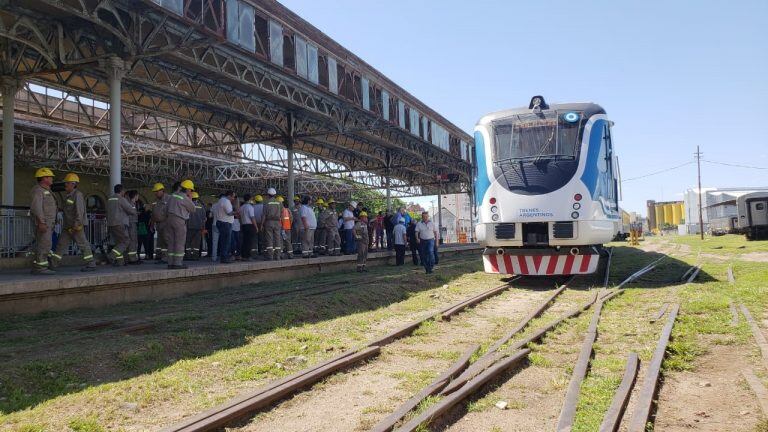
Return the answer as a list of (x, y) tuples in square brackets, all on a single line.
[(701, 215)]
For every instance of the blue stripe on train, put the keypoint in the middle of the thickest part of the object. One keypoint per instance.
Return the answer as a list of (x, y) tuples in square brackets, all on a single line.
[(591, 172), (482, 182)]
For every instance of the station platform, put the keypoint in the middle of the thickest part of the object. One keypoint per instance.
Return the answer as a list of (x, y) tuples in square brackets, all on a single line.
[(24, 293)]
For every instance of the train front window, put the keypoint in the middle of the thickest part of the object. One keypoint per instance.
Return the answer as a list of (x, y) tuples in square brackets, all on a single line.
[(547, 135)]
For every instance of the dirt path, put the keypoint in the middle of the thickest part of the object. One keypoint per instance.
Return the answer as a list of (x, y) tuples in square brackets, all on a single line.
[(359, 399), (712, 397)]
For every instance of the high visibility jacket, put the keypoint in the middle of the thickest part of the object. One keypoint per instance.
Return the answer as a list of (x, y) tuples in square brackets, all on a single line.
[(180, 205), (285, 219), (273, 209), (160, 209), (118, 209), (43, 205), (74, 210)]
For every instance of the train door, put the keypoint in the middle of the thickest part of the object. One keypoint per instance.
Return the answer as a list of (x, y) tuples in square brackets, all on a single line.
[(758, 211)]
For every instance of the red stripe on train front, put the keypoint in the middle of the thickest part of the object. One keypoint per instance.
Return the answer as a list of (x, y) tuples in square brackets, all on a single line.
[(552, 264), (494, 263), (584, 263), (536, 263), (508, 264), (523, 264), (568, 264)]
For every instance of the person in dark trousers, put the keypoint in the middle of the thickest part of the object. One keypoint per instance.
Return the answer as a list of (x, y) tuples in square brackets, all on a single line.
[(400, 235), (248, 228), (426, 235), (389, 226), (412, 243), (225, 217), (146, 233)]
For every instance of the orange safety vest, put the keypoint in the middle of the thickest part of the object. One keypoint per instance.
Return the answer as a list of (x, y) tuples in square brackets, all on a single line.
[(285, 219)]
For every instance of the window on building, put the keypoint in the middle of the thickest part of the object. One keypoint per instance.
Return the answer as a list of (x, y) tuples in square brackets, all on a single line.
[(312, 63), (176, 6), (289, 54), (301, 56), (401, 117), (365, 93), (276, 43), (333, 76), (385, 104), (240, 24)]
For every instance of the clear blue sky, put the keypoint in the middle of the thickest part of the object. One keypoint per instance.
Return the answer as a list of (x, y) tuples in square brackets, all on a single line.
[(671, 74)]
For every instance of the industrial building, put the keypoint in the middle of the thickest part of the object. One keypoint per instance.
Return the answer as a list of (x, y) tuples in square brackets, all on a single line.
[(665, 215)]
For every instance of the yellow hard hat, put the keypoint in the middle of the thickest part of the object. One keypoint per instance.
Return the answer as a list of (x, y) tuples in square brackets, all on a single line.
[(43, 172), (363, 214), (195, 195), (331, 201), (71, 178), (280, 198), (320, 201), (187, 184), (258, 198), (158, 187), (296, 198)]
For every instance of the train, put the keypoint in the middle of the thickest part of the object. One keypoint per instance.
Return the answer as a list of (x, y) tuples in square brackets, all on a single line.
[(752, 212), (546, 188)]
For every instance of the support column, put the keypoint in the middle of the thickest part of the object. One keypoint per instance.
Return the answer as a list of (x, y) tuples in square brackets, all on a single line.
[(440, 214), (116, 69), (387, 174), (10, 86), (291, 175)]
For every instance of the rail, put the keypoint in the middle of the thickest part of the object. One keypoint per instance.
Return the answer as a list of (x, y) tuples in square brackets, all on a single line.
[(17, 238)]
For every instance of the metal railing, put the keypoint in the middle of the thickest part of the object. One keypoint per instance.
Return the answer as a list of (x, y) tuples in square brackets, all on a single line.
[(17, 238)]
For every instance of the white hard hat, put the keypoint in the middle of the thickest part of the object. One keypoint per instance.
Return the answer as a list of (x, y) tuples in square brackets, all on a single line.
[(353, 203), (271, 191)]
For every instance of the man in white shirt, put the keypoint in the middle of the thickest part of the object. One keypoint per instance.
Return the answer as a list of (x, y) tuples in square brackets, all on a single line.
[(399, 240), (248, 228), (309, 220), (348, 215), (426, 233), (224, 219)]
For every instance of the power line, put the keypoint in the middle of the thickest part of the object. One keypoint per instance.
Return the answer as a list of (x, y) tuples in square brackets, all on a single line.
[(658, 172), (735, 165)]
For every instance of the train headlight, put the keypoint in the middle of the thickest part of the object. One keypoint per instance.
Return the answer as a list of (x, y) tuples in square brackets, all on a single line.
[(576, 206), (495, 217), (494, 209), (571, 117), (575, 215)]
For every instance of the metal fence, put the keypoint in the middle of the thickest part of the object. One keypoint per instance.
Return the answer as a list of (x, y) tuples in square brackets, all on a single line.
[(17, 237)]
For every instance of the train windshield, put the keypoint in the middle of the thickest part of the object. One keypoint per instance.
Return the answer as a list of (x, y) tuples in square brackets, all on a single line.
[(547, 135)]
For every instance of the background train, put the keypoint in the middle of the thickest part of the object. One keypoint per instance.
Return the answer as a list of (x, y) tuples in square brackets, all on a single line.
[(752, 211), (547, 189)]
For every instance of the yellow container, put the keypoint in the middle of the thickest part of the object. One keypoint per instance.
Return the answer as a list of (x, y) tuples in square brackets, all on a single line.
[(668, 214), (659, 215), (676, 214), (682, 212)]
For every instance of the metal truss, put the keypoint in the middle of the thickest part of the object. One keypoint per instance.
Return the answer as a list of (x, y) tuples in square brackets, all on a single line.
[(194, 103)]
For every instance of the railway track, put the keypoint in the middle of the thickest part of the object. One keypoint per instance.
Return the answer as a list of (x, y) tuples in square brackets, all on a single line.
[(454, 380)]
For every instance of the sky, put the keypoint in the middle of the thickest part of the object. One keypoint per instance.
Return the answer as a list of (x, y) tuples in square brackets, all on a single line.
[(671, 75)]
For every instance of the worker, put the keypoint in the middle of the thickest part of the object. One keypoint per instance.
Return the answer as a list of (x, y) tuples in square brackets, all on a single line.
[(309, 222), (330, 223), (180, 207), (298, 227), (320, 244), (133, 229), (258, 214), (349, 225), (74, 225), (43, 212), (286, 222), (159, 217), (195, 229), (248, 228), (361, 238), (118, 210), (271, 221)]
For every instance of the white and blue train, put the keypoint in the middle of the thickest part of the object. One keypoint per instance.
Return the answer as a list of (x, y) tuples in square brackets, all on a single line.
[(547, 188)]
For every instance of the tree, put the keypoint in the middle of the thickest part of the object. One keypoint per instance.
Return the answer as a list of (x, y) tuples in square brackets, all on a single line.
[(375, 200)]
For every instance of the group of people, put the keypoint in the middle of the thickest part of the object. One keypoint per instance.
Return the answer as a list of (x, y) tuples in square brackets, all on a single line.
[(233, 229)]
